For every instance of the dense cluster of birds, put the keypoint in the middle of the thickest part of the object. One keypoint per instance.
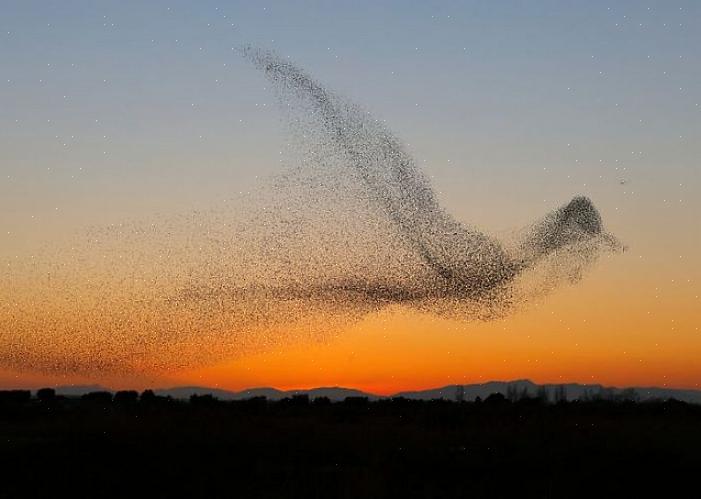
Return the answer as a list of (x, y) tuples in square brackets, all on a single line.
[(351, 227)]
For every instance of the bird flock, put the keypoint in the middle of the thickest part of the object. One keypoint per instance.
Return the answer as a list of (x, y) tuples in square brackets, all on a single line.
[(350, 228)]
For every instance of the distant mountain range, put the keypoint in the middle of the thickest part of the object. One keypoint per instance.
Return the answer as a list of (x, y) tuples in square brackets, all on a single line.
[(572, 391)]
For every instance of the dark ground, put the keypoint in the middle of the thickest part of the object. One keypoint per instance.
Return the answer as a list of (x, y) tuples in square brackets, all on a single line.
[(98, 446)]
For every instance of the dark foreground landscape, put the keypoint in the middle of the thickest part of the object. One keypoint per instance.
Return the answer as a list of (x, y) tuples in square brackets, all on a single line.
[(131, 445)]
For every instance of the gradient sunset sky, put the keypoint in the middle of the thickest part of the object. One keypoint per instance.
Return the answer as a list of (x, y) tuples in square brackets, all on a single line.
[(117, 110)]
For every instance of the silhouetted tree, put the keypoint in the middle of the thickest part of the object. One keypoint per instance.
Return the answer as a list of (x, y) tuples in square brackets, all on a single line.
[(206, 400), (355, 401), (560, 394), (253, 405), (300, 400), (542, 394), (586, 395), (125, 397), (524, 393), (606, 394), (102, 397), (512, 393), (46, 394), (629, 395), (495, 399), (147, 396)]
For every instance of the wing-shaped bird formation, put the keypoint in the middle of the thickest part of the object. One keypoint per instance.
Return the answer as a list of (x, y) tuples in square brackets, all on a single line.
[(352, 228)]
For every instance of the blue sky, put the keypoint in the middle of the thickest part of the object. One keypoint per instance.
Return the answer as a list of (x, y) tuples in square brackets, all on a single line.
[(536, 100)]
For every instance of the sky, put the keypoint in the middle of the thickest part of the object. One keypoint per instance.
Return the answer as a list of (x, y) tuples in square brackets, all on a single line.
[(114, 111)]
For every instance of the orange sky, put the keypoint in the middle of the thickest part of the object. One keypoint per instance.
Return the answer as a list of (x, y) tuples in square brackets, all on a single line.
[(588, 333), (593, 332)]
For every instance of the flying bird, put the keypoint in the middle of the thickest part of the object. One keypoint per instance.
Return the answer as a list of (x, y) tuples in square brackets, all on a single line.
[(466, 263)]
